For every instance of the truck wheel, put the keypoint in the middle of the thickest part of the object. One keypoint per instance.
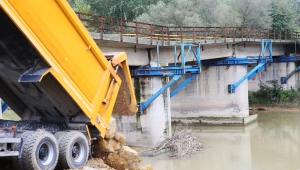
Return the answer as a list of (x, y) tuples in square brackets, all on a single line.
[(18, 162), (40, 151), (73, 150), (59, 135)]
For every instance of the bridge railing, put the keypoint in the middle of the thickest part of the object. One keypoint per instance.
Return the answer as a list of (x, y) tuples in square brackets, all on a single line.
[(144, 33)]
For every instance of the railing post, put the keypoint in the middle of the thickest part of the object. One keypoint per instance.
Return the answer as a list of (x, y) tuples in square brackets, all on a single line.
[(215, 34), (285, 36), (101, 27), (233, 30), (151, 32), (180, 34), (204, 34), (247, 34), (168, 31), (79, 16), (225, 35), (137, 33), (193, 34), (121, 30), (242, 28), (280, 36), (254, 35), (163, 36)]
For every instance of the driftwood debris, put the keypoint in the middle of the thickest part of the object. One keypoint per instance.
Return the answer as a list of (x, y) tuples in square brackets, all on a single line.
[(182, 142)]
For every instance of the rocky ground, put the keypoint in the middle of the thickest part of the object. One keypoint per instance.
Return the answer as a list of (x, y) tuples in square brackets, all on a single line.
[(112, 152)]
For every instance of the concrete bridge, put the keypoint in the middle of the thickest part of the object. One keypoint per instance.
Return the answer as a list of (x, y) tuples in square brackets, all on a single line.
[(206, 96)]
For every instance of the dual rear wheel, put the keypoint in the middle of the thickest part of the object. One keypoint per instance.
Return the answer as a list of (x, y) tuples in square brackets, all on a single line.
[(42, 150)]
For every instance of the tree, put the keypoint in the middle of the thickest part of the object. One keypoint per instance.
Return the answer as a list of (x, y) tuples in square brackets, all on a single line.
[(283, 15), (276, 14), (80, 5), (253, 13), (177, 13), (125, 9), (250, 13)]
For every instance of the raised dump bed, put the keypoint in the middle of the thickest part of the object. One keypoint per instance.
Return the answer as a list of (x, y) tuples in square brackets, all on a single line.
[(54, 76)]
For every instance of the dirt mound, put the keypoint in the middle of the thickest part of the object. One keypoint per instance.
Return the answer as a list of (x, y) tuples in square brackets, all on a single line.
[(124, 105), (111, 150), (95, 163)]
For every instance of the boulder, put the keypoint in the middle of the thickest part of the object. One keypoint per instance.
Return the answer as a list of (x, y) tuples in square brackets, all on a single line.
[(128, 153), (106, 145), (117, 162), (147, 167), (111, 129), (120, 138)]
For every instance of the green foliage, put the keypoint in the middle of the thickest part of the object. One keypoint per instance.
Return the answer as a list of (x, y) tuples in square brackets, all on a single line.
[(288, 96), (272, 92), (276, 14), (271, 89), (80, 5), (125, 9), (283, 15), (250, 13)]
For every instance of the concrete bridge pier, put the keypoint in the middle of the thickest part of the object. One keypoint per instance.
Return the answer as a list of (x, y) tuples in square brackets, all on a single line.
[(274, 72), (207, 96), (154, 124)]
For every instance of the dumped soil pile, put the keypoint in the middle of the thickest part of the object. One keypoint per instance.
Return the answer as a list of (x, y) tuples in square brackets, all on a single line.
[(96, 163), (124, 104), (112, 152)]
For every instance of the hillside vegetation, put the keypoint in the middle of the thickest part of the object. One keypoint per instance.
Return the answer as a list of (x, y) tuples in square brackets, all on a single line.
[(272, 14)]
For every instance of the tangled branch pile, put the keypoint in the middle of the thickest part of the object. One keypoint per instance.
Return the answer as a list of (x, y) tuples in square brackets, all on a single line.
[(182, 142)]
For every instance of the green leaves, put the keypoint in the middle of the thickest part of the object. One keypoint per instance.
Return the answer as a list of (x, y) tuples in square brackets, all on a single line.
[(275, 14), (283, 15), (272, 92)]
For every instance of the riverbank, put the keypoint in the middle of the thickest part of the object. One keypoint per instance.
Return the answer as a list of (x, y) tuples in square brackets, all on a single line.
[(288, 108)]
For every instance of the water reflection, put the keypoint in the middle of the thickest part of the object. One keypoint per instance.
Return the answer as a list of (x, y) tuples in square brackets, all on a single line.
[(270, 143)]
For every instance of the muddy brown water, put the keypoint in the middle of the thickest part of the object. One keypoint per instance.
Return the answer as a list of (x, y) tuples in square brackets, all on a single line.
[(272, 142)]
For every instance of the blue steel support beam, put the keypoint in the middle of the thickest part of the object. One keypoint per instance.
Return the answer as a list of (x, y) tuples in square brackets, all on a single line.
[(246, 60), (183, 84), (144, 105), (284, 79), (261, 64), (264, 45), (172, 71), (164, 71), (252, 73), (4, 107)]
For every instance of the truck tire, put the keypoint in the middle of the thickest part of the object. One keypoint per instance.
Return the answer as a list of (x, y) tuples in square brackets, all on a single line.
[(59, 135), (18, 162), (73, 150), (40, 151)]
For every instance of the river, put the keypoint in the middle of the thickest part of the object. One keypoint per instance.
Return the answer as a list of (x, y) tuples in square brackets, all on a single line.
[(270, 143)]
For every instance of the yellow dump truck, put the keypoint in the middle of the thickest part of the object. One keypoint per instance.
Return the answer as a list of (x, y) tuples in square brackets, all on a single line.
[(54, 76)]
